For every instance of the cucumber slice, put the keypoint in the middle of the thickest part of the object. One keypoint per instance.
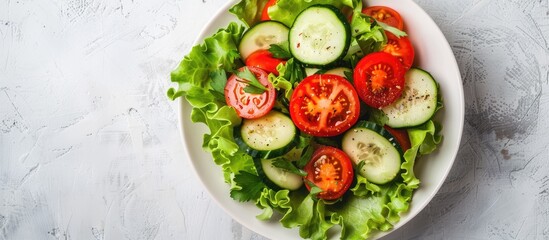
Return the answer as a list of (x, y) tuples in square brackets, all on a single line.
[(269, 136), (418, 102), (378, 149), (281, 177), (261, 36), (319, 36)]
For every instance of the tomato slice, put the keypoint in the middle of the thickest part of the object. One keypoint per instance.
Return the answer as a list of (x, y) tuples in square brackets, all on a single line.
[(264, 59), (401, 48), (324, 105), (331, 170), (379, 79), (385, 15), (401, 136), (250, 105), (265, 13)]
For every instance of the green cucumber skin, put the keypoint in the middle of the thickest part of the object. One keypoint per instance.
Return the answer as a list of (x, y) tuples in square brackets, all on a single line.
[(266, 153), (262, 154), (347, 27)]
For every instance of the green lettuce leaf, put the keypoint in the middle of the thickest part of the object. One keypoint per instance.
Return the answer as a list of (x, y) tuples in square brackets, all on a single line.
[(363, 187), (289, 74), (220, 121), (359, 216), (248, 11), (285, 11), (310, 216), (200, 77), (219, 51), (399, 201), (368, 34), (424, 139), (372, 41), (238, 162), (271, 199)]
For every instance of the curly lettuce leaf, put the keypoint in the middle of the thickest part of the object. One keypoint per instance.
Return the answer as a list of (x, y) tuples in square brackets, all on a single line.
[(220, 120), (248, 11), (238, 162), (400, 197), (281, 84), (219, 51), (359, 216), (271, 199), (290, 73), (310, 216), (285, 11), (432, 138), (424, 139), (199, 77), (363, 187), (368, 34)]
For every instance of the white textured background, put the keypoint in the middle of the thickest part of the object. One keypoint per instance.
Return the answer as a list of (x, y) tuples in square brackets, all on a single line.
[(89, 146)]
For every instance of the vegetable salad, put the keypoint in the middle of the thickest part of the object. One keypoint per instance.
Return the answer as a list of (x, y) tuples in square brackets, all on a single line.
[(316, 112)]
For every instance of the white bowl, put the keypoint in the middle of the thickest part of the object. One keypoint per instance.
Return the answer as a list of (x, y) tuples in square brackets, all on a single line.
[(433, 54)]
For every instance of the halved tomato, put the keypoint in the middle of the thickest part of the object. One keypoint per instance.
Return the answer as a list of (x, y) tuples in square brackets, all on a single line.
[(401, 48), (265, 12), (385, 15), (331, 170), (324, 105), (379, 79), (264, 59), (250, 105)]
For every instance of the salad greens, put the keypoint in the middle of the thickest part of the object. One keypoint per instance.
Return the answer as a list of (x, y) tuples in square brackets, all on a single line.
[(254, 86), (201, 76)]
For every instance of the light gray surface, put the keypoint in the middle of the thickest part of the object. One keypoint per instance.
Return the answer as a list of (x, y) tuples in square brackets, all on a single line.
[(89, 146)]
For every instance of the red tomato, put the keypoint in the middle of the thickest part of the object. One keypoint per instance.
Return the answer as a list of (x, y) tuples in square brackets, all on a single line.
[(331, 170), (385, 15), (265, 13), (249, 105), (264, 59), (379, 79), (324, 105), (401, 48), (401, 136)]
